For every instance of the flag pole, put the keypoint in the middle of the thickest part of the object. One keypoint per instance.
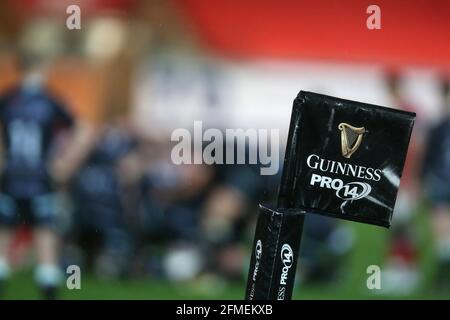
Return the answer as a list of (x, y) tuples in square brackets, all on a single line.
[(278, 235)]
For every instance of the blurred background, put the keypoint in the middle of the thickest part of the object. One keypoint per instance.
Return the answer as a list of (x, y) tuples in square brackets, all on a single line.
[(141, 227)]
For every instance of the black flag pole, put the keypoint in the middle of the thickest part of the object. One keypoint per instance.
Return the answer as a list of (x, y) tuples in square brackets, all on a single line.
[(277, 238), (343, 159)]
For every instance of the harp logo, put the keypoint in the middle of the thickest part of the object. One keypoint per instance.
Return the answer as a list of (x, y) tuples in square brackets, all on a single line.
[(351, 138)]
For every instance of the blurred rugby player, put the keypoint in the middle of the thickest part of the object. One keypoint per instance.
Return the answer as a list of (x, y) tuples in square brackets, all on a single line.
[(436, 179), (401, 273), (31, 122), (98, 199)]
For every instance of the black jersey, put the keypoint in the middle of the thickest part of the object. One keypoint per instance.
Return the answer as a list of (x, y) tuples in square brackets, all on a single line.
[(97, 180), (437, 156), (30, 122)]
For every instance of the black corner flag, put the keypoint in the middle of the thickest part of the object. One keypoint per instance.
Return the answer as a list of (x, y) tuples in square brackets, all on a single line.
[(344, 159)]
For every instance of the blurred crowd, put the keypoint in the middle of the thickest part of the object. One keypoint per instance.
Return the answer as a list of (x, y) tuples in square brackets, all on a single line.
[(116, 204)]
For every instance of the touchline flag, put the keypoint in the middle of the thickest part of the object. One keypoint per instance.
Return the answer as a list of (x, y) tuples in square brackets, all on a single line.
[(344, 159)]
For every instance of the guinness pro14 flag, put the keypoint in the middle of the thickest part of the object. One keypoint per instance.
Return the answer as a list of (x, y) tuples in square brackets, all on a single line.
[(344, 159)]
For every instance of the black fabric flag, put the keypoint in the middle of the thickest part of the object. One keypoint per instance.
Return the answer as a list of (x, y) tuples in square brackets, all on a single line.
[(343, 159)]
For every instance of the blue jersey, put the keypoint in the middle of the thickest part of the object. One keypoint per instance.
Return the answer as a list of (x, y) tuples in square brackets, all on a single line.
[(30, 122), (437, 156), (98, 180)]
